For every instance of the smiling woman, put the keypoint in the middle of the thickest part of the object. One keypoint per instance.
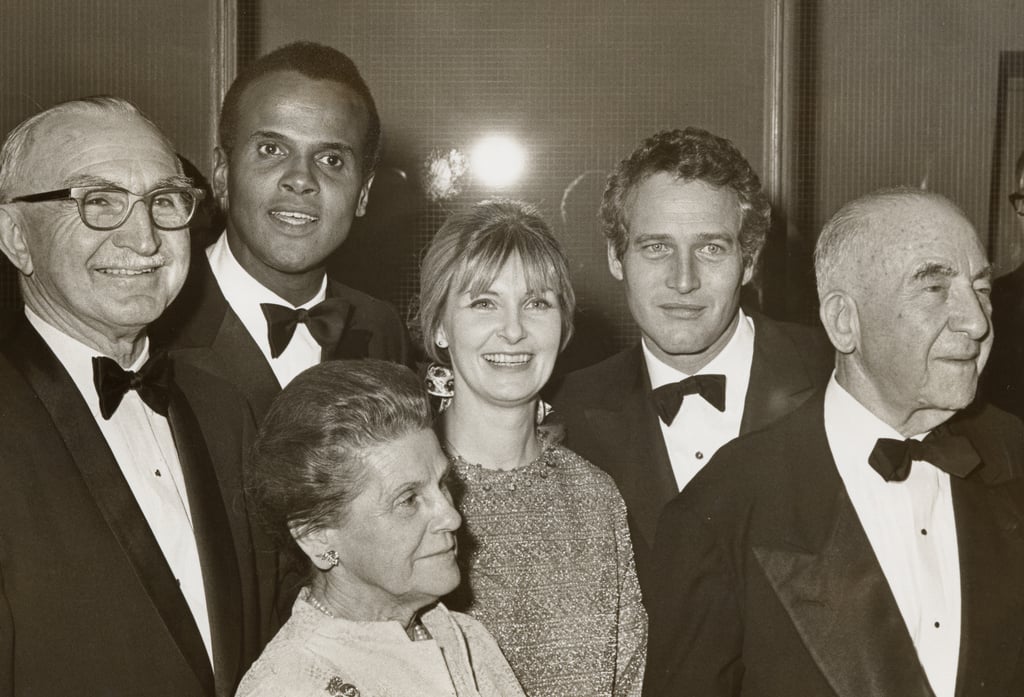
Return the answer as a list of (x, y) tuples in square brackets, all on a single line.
[(349, 476), (548, 565)]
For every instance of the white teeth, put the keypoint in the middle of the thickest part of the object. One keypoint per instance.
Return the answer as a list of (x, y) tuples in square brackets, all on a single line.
[(293, 218), (507, 358), (126, 272)]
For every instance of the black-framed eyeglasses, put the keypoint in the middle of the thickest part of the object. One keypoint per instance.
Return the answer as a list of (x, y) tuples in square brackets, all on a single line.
[(1017, 201), (106, 207)]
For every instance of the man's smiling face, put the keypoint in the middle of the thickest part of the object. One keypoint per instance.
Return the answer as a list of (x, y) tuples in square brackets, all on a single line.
[(293, 179)]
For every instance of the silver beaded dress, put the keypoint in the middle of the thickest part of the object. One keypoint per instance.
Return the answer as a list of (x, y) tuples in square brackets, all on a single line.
[(548, 569)]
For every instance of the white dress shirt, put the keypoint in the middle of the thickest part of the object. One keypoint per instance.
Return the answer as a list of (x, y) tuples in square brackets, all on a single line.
[(142, 444), (245, 294), (912, 530), (699, 429)]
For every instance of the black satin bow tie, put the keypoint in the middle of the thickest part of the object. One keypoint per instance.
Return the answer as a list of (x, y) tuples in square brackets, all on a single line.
[(892, 458), (152, 382), (668, 398), (325, 322)]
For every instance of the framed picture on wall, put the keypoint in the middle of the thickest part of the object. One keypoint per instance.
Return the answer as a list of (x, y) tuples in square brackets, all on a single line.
[(1006, 240)]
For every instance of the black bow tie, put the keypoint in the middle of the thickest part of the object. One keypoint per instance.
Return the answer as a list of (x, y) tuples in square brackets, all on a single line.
[(325, 322), (668, 398), (152, 382), (893, 458)]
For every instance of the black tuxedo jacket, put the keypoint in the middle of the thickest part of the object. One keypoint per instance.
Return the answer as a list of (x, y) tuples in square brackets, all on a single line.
[(88, 604), (1003, 381), (770, 586), (610, 417), (201, 329)]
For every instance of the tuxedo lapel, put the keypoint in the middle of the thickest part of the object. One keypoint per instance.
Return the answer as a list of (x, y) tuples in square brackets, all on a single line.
[(778, 383), (628, 430), (212, 532), (987, 506), (237, 358), (113, 497), (353, 342), (213, 338), (835, 592)]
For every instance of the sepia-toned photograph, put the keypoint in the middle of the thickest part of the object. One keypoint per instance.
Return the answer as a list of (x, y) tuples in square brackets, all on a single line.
[(538, 348)]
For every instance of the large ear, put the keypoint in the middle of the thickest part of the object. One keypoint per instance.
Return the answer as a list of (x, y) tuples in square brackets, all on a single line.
[(220, 176), (614, 263), (12, 239), (313, 543), (839, 317), (364, 196)]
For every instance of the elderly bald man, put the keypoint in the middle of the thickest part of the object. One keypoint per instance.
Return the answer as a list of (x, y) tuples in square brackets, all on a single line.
[(870, 542)]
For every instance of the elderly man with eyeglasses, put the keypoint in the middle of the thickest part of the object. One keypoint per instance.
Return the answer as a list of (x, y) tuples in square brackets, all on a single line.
[(1004, 377), (127, 563)]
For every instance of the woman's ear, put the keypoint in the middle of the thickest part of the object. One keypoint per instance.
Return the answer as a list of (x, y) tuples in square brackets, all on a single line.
[(840, 319), (441, 338), (315, 544)]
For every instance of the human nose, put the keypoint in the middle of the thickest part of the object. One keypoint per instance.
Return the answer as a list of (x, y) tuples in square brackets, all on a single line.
[(684, 277), (971, 315), (299, 177), (137, 232), (512, 329), (447, 519)]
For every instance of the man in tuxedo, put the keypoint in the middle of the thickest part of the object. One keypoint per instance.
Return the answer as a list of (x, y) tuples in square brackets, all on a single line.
[(127, 564), (1004, 376), (299, 139), (869, 543), (685, 221)]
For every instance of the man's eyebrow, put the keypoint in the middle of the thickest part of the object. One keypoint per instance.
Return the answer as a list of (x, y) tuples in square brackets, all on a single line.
[(985, 274), (93, 180), (650, 237), (932, 270), (322, 145)]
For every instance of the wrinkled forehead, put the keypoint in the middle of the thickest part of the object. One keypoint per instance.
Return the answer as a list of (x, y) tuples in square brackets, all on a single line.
[(921, 231), (76, 148)]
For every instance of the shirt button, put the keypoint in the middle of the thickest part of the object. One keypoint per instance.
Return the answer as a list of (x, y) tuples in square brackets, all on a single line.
[(936, 625), (699, 455), (923, 531)]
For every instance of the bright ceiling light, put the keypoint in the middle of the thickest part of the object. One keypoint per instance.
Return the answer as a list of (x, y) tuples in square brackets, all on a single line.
[(498, 161)]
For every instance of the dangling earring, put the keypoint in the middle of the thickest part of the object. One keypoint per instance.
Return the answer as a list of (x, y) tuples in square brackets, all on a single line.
[(440, 382), (331, 557)]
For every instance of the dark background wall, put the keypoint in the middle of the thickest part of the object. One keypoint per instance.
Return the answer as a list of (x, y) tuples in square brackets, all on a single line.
[(872, 93), (161, 55), (578, 83)]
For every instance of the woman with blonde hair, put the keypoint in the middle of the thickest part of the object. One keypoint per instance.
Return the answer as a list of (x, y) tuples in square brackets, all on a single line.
[(545, 545)]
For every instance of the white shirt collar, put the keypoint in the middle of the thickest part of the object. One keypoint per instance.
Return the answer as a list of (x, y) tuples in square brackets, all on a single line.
[(241, 290), (733, 361), (76, 357), (852, 428)]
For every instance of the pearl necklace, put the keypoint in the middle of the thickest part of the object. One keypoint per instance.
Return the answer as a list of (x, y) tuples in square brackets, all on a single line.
[(417, 632), (311, 599)]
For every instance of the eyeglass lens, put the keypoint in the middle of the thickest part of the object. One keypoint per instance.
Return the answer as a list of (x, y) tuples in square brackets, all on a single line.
[(168, 209)]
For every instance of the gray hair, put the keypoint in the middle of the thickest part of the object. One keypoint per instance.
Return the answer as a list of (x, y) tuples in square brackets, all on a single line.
[(307, 463), (844, 241), (18, 145)]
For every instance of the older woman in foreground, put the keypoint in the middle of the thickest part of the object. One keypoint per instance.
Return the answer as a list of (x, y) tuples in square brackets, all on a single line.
[(347, 469), (548, 555)]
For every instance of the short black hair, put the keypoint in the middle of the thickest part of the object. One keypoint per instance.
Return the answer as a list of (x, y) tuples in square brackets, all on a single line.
[(317, 62)]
